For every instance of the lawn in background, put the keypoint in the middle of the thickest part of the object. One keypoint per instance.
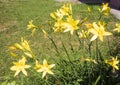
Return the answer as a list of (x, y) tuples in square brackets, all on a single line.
[(14, 17)]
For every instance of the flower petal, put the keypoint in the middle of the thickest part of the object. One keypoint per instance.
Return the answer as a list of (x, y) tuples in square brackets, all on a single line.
[(93, 38)]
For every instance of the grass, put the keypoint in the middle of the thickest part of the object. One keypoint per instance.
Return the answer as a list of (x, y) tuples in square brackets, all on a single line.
[(14, 18)]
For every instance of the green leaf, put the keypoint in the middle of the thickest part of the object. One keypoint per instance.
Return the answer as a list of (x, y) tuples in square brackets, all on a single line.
[(97, 80)]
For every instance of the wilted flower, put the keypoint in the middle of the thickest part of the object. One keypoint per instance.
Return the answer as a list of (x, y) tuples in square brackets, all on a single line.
[(89, 60)]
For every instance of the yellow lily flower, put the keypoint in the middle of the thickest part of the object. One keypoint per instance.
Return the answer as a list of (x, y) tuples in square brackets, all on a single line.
[(20, 66), (105, 9), (57, 15), (58, 26), (45, 68), (98, 31), (113, 62), (32, 27), (117, 27), (66, 9), (70, 25)]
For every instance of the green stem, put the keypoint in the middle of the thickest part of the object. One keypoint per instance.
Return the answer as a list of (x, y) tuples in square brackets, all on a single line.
[(70, 43), (66, 51), (109, 47), (89, 48), (54, 44), (100, 17), (97, 49), (22, 80), (78, 39)]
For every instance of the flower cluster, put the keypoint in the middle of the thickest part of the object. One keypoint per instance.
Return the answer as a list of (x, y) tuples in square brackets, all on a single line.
[(21, 66), (64, 21), (24, 47)]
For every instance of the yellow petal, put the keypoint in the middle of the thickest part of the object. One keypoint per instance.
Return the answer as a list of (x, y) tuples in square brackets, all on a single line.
[(43, 75), (26, 45), (107, 33), (45, 63), (93, 38), (13, 68), (13, 54), (50, 72), (52, 65), (18, 46), (16, 73), (40, 70), (28, 54), (27, 66), (101, 37), (24, 72), (33, 31), (116, 67), (12, 48)]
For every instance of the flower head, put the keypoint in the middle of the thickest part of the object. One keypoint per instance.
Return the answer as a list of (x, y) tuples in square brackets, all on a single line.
[(57, 15), (32, 27), (45, 68), (105, 9), (117, 27), (65, 10), (113, 62), (71, 25), (20, 66), (58, 26), (98, 30)]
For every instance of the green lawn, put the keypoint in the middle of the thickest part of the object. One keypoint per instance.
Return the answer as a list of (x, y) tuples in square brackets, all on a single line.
[(14, 17)]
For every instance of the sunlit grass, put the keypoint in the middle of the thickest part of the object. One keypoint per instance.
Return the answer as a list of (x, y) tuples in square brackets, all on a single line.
[(15, 16)]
